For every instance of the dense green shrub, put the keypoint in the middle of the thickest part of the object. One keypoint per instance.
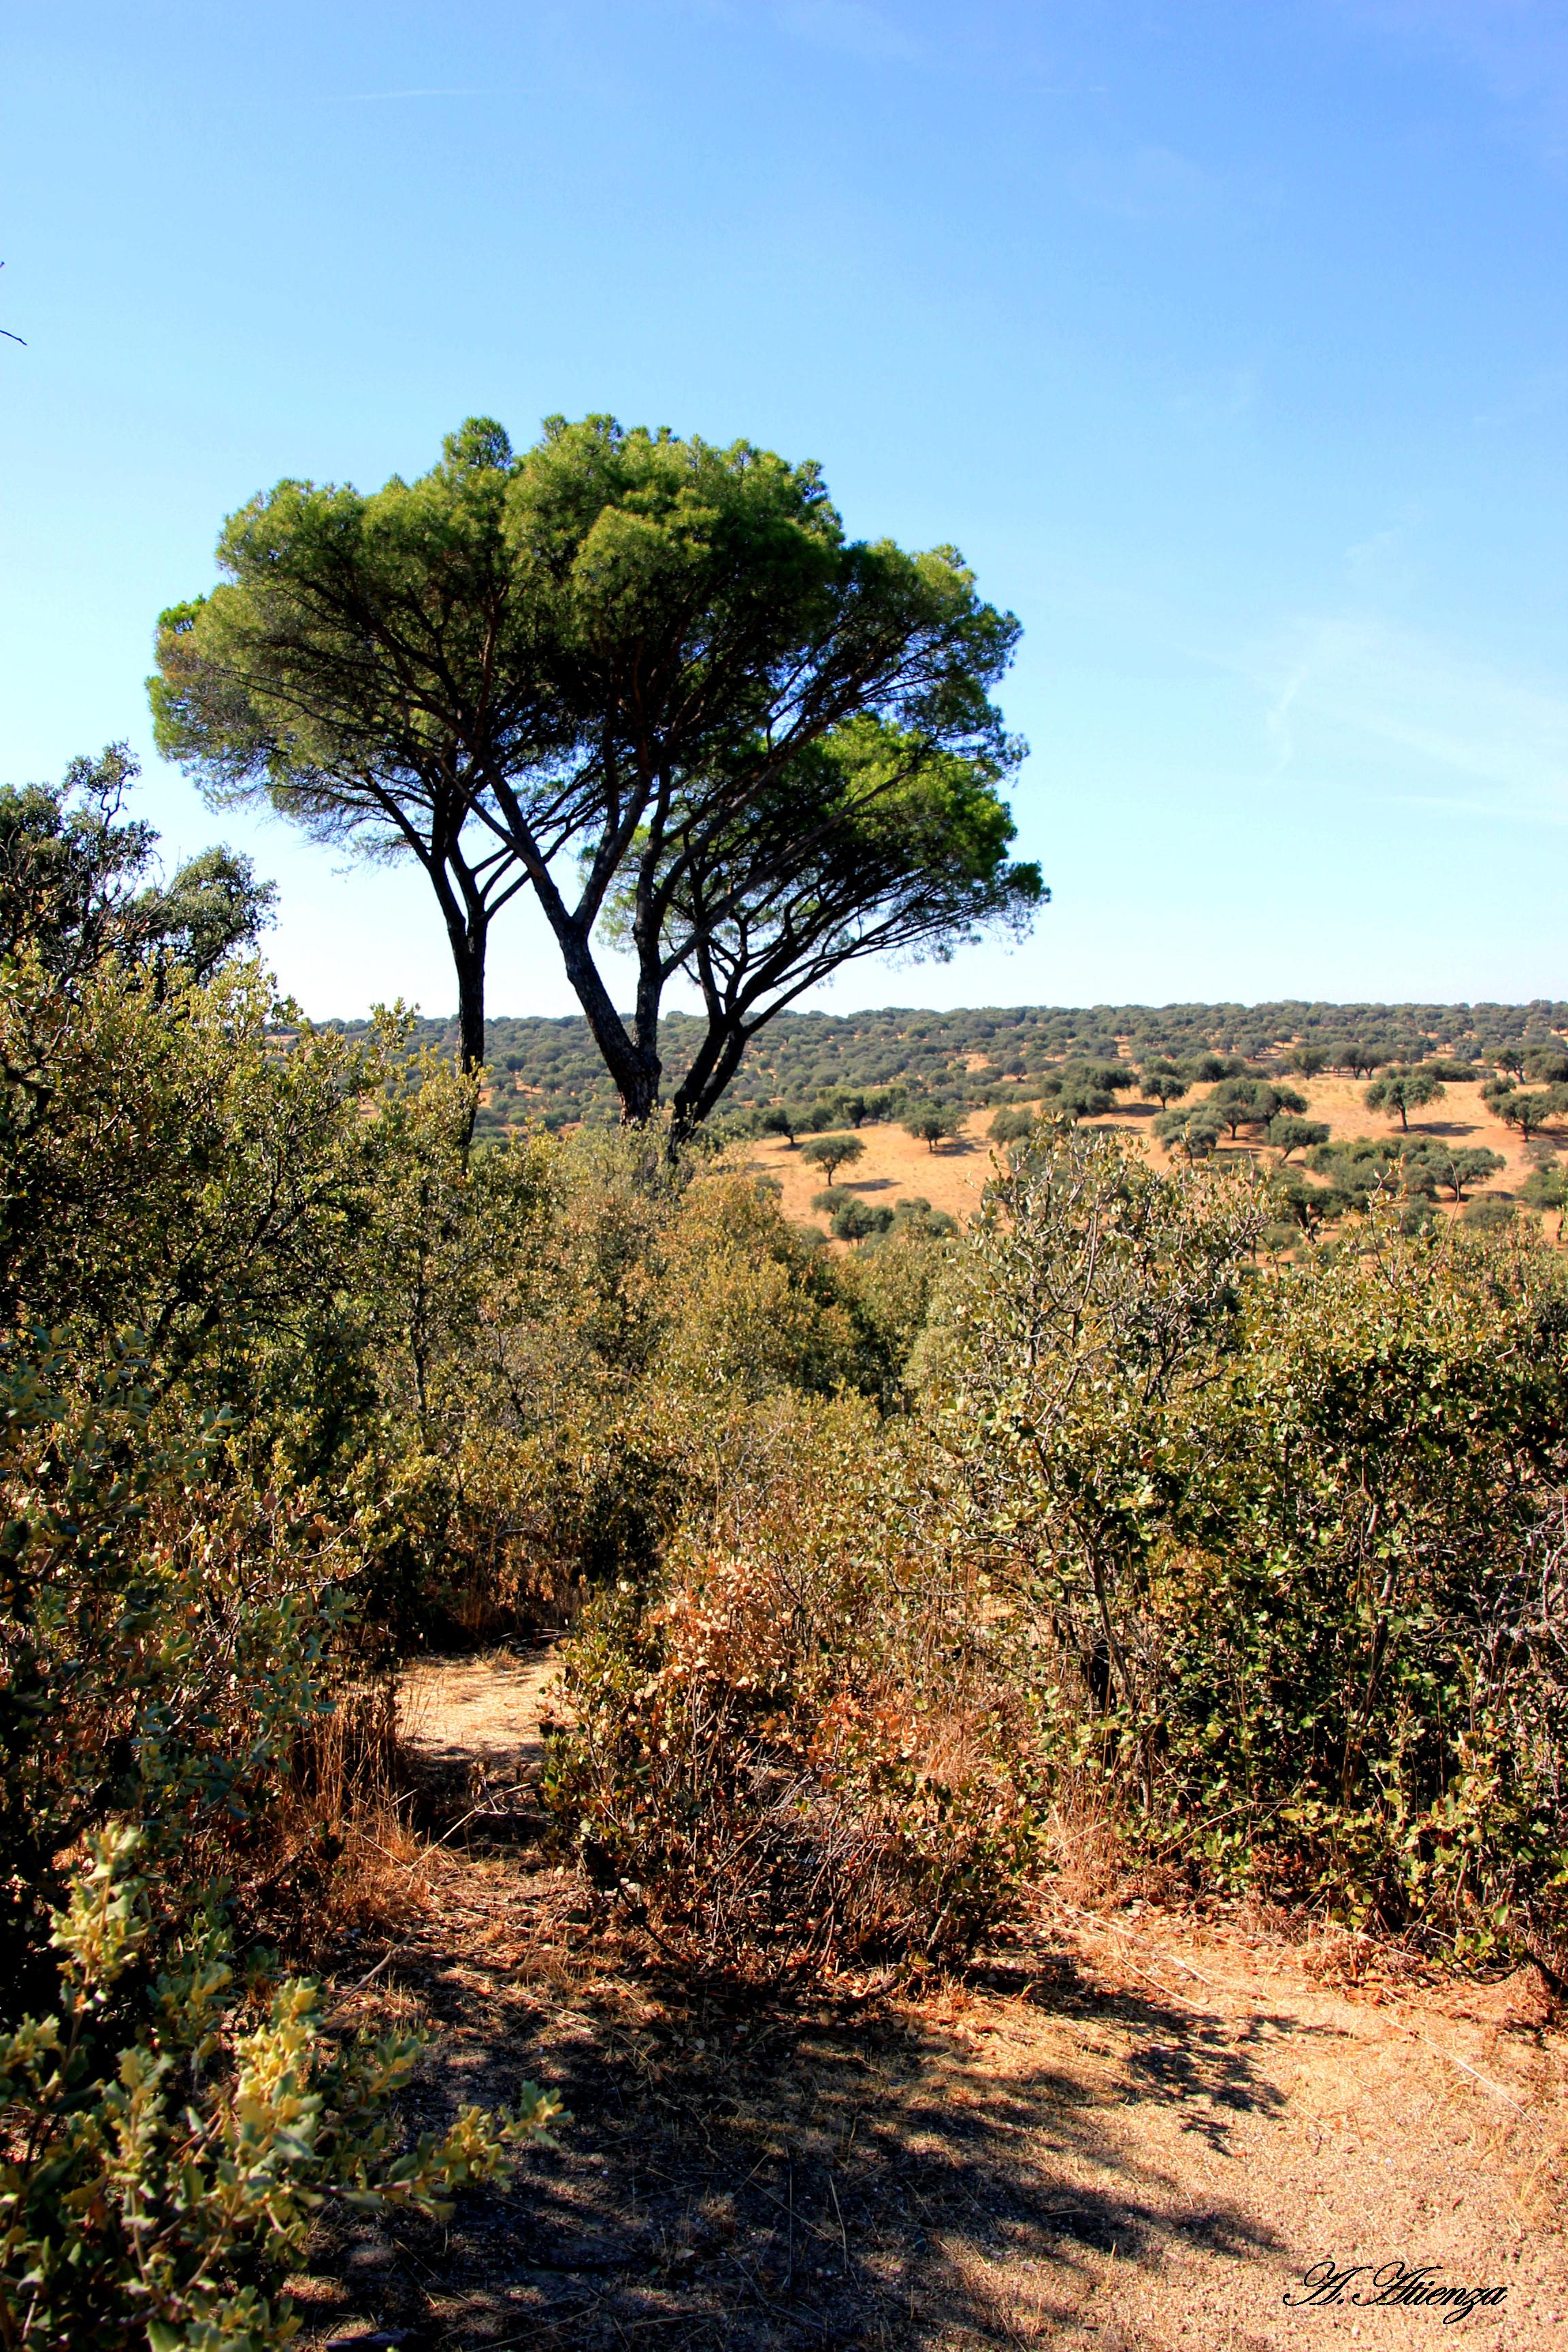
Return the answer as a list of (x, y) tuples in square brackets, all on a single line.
[(1547, 1189), (1237, 1103), (934, 1123), (238, 1258), (893, 1279), (628, 1306), (170, 1637), (1267, 1560), (1292, 1544), (1290, 1134), (856, 1220), (167, 1634), (1430, 1165), (1488, 1213), (1193, 1132), (1362, 1590)]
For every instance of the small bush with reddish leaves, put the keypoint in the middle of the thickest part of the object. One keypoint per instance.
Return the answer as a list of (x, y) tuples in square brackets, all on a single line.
[(798, 1754)]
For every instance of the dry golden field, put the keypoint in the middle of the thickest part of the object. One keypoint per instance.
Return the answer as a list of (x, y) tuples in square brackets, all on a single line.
[(897, 1167)]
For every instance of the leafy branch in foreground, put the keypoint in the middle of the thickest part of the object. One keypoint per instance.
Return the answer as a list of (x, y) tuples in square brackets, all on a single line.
[(173, 2136), (69, 866)]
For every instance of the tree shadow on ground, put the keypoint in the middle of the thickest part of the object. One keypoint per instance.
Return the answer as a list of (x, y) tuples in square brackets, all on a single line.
[(754, 2175)]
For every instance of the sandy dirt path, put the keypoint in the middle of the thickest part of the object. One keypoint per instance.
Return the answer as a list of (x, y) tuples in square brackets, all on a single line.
[(477, 1713), (1127, 2131)]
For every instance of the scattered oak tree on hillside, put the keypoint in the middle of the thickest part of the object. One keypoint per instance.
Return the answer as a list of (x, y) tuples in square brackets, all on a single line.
[(1434, 1166), (934, 1123), (1237, 1103), (1305, 1206), (1011, 1124), (1547, 1188), (855, 1107), (832, 1152), (1364, 1170), (1193, 1131), (650, 680), (1358, 1056), (1085, 1089), (855, 1219), (1162, 1082), (1297, 1134), (1490, 1212), (1400, 1092), (1530, 1112)]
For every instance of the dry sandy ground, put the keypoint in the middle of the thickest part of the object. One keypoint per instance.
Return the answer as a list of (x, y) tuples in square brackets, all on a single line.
[(896, 1166), (481, 1711), (1134, 2130)]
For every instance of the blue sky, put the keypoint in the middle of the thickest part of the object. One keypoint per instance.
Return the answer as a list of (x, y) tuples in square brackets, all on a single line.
[(1228, 341)]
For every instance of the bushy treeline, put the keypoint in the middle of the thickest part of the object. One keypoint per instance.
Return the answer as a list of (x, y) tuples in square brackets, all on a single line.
[(548, 1072), (1257, 1573)]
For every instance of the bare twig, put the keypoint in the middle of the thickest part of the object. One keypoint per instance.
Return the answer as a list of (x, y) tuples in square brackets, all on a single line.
[(1486, 2083), (1109, 1928), (370, 1976)]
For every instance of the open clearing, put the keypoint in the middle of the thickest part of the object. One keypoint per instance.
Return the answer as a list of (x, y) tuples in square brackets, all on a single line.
[(1137, 2129), (898, 1166)]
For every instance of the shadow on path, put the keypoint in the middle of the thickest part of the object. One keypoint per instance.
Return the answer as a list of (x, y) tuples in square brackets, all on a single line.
[(748, 2176)]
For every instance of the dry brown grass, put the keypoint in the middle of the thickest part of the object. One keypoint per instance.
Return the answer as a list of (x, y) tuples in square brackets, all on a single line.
[(343, 1857), (1129, 2129)]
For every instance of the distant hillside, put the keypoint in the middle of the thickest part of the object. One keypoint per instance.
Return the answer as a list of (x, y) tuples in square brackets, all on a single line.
[(547, 1071)]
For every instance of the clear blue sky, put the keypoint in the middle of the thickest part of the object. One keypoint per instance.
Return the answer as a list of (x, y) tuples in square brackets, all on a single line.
[(1227, 337)]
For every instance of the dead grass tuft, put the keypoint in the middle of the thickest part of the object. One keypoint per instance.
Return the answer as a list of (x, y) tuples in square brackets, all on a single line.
[(1086, 1860), (344, 1857)]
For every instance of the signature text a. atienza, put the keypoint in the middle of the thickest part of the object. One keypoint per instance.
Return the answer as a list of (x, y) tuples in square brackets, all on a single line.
[(1394, 2282)]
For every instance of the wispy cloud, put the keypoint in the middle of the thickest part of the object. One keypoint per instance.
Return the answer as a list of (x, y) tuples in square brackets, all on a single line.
[(1151, 183), (851, 25), (373, 97), (1358, 681), (1384, 566), (1516, 49), (1218, 400)]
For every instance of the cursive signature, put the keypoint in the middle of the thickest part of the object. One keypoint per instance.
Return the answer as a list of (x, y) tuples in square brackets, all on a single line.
[(1394, 2283)]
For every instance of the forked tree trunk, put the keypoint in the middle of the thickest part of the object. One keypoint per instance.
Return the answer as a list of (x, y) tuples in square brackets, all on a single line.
[(468, 940), (470, 965)]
